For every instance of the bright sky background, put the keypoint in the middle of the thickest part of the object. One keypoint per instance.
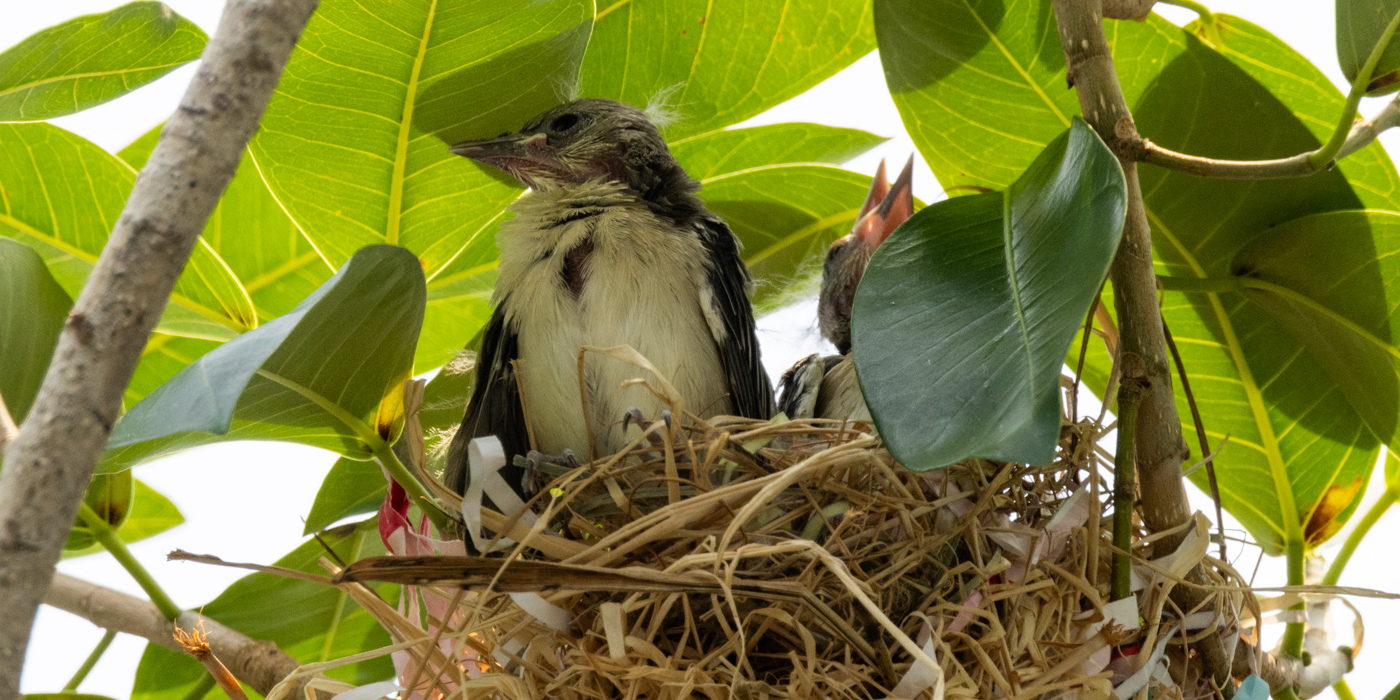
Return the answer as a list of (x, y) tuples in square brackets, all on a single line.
[(246, 501)]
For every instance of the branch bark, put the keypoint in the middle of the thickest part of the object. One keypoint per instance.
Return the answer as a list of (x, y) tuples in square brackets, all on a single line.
[(1160, 447), (1361, 135), (1127, 9), (49, 464), (259, 664)]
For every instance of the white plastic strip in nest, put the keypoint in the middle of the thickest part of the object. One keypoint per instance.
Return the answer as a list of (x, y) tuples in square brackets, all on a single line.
[(920, 677), (485, 457), (371, 691)]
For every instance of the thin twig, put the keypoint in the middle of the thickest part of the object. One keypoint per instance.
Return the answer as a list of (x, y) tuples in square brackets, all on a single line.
[(50, 463), (82, 673), (1349, 137), (1206, 453), (1130, 393)]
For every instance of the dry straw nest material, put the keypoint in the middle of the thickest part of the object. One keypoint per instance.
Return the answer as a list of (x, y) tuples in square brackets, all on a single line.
[(747, 559)]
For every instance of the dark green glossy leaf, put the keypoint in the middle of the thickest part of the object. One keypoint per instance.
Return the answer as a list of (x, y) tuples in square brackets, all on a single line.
[(328, 374), (354, 144), (965, 314), (62, 197), (151, 514), (1360, 24), (32, 311), (89, 60), (785, 216), (310, 621), (350, 488), (988, 87), (720, 152), (719, 62)]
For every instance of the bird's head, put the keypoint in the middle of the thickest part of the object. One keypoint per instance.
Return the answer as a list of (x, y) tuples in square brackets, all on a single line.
[(885, 208), (580, 141)]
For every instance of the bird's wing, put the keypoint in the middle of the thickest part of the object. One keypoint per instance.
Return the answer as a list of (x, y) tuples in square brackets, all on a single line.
[(730, 317), (494, 407), (798, 387)]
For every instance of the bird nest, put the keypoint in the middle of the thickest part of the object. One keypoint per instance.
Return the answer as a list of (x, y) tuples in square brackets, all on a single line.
[(748, 559)]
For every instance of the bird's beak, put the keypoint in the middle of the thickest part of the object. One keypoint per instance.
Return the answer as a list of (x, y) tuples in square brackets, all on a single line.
[(896, 205), (501, 151)]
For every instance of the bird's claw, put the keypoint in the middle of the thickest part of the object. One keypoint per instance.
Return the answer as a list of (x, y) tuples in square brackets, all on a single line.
[(634, 415), (534, 458)]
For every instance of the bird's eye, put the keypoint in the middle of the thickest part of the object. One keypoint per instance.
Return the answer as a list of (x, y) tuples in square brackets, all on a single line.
[(563, 122)]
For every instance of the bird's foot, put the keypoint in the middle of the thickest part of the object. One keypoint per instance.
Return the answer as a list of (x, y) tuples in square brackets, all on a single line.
[(534, 458), (634, 415)]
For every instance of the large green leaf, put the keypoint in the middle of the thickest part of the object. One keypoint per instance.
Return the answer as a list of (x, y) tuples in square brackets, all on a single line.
[(62, 195), (1360, 24), (328, 374), (263, 248), (350, 488), (257, 239), (785, 216), (964, 316), (1333, 281), (354, 144), (721, 152), (89, 60), (719, 62), (310, 621), (151, 514), (1292, 433), (32, 310)]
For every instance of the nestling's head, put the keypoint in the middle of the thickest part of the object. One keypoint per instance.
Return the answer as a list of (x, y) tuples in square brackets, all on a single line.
[(885, 208), (580, 141)]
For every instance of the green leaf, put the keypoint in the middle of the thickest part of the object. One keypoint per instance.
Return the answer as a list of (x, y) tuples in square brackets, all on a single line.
[(151, 514), (350, 488), (89, 60), (62, 195), (328, 374), (719, 62), (721, 152), (64, 696), (310, 621), (354, 144), (785, 216), (257, 239), (987, 88), (32, 311), (964, 316), (1360, 24)]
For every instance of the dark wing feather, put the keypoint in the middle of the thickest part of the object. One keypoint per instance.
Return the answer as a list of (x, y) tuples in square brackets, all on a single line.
[(750, 392), (494, 407)]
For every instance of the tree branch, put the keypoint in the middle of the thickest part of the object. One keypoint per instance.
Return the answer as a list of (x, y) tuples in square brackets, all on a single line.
[(1137, 10), (259, 664), (48, 466), (1160, 447), (1361, 135)]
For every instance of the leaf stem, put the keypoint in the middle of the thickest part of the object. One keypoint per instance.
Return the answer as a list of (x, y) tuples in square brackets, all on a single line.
[(1292, 644), (1125, 475), (1334, 572), (107, 537), (385, 457), (200, 689), (86, 668), (1321, 157), (1200, 284), (1348, 137), (1343, 690)]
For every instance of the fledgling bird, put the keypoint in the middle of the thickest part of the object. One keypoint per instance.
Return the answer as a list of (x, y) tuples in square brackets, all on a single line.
[(826, 387), (612, 246)]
